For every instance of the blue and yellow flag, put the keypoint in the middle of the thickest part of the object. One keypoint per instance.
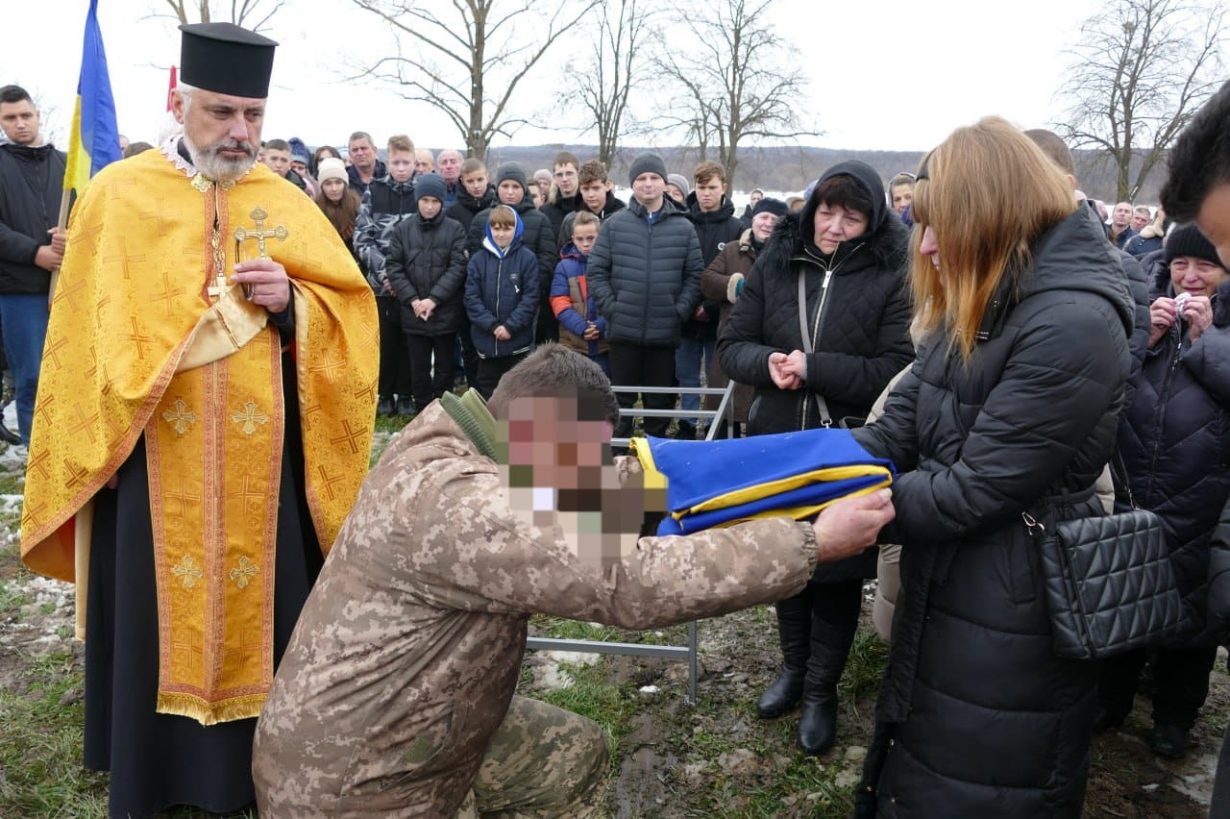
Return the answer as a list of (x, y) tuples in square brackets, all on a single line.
[(728, 481), (95, 139)]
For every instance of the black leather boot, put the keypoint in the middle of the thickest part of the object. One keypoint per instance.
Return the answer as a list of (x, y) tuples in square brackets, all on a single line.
[(794, 630), (384, 405), (835, 609)]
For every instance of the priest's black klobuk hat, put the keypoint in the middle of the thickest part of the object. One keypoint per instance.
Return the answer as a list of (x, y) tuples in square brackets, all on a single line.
[(226, 59)]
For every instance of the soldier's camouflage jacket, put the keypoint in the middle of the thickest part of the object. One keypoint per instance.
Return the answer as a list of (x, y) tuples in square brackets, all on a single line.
[(408, 650)]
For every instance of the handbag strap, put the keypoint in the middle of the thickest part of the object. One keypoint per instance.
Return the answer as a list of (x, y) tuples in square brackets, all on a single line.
[(826, 420), (1119, 470)]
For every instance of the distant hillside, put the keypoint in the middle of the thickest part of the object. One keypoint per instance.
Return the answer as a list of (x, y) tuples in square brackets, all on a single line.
[(791, 169)]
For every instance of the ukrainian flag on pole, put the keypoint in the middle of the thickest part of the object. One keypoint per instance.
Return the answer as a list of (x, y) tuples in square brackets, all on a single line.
[(95, 139)]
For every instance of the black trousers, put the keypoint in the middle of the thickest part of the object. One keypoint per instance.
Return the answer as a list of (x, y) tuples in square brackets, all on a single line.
[(637, 365), (1180, 676), (394, 358), (469, 356), (491, 370), (424, 386)]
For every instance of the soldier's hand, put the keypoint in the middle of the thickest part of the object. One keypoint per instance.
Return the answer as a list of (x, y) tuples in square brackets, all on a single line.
[(850, 526), (266, 283)]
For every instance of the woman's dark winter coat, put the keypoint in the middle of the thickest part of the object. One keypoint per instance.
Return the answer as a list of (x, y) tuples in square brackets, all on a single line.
[(858, 315), (501, 289), (1175, 446), (977, 716), (427, 259), (1219, 580)]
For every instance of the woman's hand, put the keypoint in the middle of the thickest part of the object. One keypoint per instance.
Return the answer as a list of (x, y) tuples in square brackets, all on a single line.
[(1198, 312), (1162, 314), (782, 379), (796, 365), (850, 526)]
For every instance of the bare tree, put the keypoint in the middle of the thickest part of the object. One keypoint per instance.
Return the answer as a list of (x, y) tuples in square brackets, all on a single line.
[(251, 14), (455, 56), (1140, 71), (606, 82), (732, 85)]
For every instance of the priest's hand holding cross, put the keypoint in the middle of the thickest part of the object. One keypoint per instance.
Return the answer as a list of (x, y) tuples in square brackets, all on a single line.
[(266, 283)]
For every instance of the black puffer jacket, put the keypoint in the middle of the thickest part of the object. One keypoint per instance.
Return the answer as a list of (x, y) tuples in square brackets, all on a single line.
[(858, 299), (427, 260), (645, 278), (31, 184), (977, 717), (1219, 579), (1175, 445), (467, 207)]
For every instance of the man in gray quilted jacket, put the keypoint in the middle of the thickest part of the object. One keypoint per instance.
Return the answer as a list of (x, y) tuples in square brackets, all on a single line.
[(644, 274)]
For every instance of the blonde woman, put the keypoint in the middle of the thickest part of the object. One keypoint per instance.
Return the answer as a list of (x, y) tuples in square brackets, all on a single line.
[(1012, 404)]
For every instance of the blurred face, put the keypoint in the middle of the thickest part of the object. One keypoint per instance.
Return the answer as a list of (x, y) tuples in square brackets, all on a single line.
[(277, 160), (543, 183), (475, 184), (930, 247), (755, 197), (648, 189), (363, 155), (1121, 217), (1140, 219), (20, 122), (1200, 277), (400, 165), (536, 195), (1213, 219), (584, 237), (510, 192), (424, 162), (709, 194), (763, 224), (450, 166), (545, 435), (334, 189), (502, 235), (836, 224), (429, 207), (222, 133), (299, 167), (566, 179), (594, 195), (903, 197), (674, 193)]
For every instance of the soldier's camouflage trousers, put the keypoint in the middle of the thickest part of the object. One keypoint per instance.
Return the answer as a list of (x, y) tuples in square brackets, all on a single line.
[(542, 762)]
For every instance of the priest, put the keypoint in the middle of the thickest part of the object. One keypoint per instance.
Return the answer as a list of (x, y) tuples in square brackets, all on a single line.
[(202, 428)]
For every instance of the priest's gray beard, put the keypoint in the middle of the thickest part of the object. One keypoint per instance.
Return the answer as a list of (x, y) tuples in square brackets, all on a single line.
[(221, 169)]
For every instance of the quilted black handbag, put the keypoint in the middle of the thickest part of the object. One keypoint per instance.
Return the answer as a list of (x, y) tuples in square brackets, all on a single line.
[(1109, 583)]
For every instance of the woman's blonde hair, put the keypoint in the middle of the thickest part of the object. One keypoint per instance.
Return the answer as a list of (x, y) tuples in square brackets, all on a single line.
[(987, 192)]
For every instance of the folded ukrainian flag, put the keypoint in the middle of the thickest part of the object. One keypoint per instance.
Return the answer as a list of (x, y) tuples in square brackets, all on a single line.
[(724, 482)]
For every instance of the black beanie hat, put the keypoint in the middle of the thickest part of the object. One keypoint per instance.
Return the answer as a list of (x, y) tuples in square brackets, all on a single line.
[(430, 184), (774, 206), (511, 170), (646, 163), (1189, 241)]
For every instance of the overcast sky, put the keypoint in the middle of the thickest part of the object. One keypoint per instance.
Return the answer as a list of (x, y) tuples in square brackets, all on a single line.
[(884, 74)]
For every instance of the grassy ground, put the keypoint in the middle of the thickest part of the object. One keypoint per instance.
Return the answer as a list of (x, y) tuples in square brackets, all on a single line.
[(669, 758)]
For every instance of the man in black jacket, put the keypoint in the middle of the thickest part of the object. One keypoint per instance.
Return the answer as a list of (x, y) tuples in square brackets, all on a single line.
[(644, 274), (713, 215), (31, 245)]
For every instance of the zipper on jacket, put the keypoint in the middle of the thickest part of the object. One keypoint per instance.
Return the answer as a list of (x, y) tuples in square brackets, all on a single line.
[(1161, 416), (499, 276), (815, 334)]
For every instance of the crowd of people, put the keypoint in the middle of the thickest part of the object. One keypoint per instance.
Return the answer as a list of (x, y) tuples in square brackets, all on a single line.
[(980, 323)]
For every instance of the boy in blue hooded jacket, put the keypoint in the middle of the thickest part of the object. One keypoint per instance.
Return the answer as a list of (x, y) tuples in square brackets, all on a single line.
[(580, 326), (501, 298)]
